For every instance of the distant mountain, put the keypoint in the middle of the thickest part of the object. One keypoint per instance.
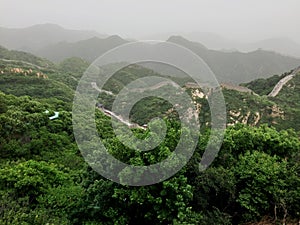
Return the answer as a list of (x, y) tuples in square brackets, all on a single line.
[(87, 49), (237, 67), (233, 67), (38, 36), (285, 46), (282, 45), (214, 41), (210, 40)]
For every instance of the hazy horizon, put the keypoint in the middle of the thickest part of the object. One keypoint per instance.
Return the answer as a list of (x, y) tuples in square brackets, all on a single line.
[(237, 20)]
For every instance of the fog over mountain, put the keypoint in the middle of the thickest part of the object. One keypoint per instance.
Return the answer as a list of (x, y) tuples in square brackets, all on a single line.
[(283, 45), (234, 67), (239, 40), (148, 133), (247, 21), (89, 49), (218, 24), (238, 67), (38, 36)]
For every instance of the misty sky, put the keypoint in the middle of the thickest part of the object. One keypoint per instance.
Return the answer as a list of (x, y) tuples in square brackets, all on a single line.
[(235, 19)]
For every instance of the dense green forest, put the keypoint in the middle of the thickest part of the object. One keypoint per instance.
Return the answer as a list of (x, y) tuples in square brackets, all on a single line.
[(44, 179)]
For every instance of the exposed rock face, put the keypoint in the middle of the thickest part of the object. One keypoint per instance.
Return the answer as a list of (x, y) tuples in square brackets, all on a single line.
[(277, 112), (257, 118)]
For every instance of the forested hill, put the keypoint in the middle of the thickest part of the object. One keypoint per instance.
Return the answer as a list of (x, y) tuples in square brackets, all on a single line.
[(44, 178), (20, 57), (25, 74), (20, 77)]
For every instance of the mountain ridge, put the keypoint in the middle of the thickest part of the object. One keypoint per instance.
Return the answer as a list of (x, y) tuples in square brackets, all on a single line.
[(41, 35), (88, 49), (232, 67), (238, 67)]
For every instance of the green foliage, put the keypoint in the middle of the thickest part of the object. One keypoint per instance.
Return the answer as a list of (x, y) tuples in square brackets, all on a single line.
[(215, 187), (70, 71), (32, 193), (262, 184), (26, 130), (24, 57), (159, 204), (44, 179), (35, 87), (31, 178), (289, 101), (264, 86), (240, 139)]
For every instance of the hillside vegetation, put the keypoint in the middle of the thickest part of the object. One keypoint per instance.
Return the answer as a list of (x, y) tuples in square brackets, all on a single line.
[(44, 178), (20, 77), (24, 57), (285, 110)]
